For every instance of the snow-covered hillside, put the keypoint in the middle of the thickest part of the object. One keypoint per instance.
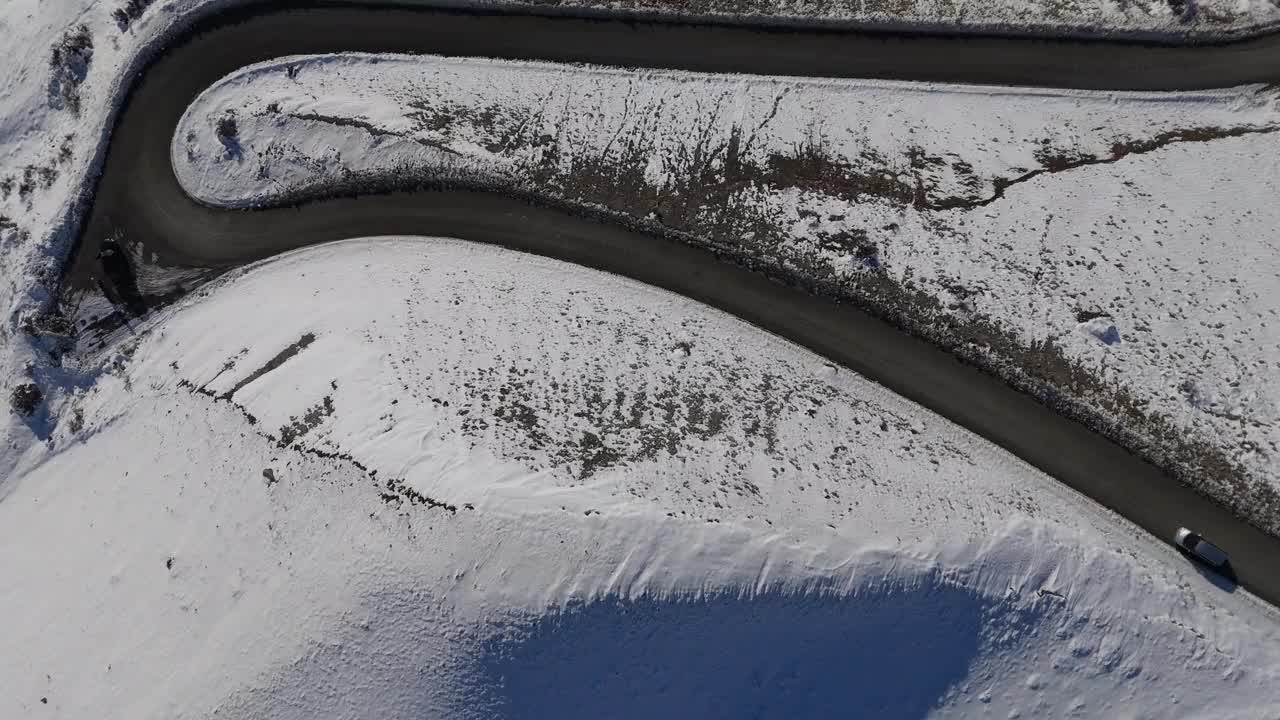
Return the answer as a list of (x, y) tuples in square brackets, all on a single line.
[(67, 65), (459, 482), (70, 61), (1112, 251), (444, 480), (1158, 18)]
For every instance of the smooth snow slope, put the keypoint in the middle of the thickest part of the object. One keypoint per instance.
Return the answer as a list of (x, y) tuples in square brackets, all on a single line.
[(1114, 249), (418, 478)]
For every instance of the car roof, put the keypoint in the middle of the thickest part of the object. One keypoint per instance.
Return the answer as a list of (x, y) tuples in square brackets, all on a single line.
[(1210, 552)]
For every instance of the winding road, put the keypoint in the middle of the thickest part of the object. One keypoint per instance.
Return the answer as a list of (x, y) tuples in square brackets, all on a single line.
[(138, 197)]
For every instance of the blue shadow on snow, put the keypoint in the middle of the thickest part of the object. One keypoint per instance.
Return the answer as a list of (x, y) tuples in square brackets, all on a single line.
[(890, 655)]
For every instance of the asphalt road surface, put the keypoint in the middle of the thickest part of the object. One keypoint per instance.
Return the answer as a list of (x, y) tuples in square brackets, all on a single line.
[(138, 197)]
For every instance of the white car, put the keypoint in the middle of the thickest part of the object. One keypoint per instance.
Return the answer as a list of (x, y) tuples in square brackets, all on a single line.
[(1200, 549)]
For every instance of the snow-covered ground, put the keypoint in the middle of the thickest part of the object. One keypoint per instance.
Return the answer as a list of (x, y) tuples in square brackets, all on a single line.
[(171, 552), (445, 480), (69, 62), (1112, 251), (1158, 18)]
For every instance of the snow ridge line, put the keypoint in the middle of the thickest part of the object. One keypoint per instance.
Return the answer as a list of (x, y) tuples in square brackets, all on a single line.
[(1119, 151), (1052, 165)]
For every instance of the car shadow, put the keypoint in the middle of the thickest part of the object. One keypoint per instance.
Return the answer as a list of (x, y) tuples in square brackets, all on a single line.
[(1223, 578)]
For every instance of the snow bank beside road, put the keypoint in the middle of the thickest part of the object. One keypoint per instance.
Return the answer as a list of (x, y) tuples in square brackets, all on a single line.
[(619, 466), (1166, 19), (1110, 251)]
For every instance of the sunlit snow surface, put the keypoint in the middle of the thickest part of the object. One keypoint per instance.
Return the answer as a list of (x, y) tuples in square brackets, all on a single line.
[(657, 511), (152, 570), (1117, 247)]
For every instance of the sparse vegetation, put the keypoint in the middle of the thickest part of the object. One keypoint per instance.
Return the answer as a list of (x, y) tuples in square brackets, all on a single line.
[(53, 321), (705, 200), (227, 129), (69, 65), (25, 399), (11, 234), (126, 14), (300, 426)]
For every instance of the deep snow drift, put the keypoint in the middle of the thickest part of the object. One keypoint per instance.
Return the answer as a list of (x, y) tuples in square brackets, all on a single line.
[(1112, 251), (418, 478)]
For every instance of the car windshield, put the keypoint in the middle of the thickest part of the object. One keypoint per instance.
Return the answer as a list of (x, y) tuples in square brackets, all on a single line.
[(1209, 551)]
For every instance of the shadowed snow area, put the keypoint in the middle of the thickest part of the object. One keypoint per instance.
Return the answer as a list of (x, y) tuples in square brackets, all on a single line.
[(407, 478), (892, 651), (890, 654)]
